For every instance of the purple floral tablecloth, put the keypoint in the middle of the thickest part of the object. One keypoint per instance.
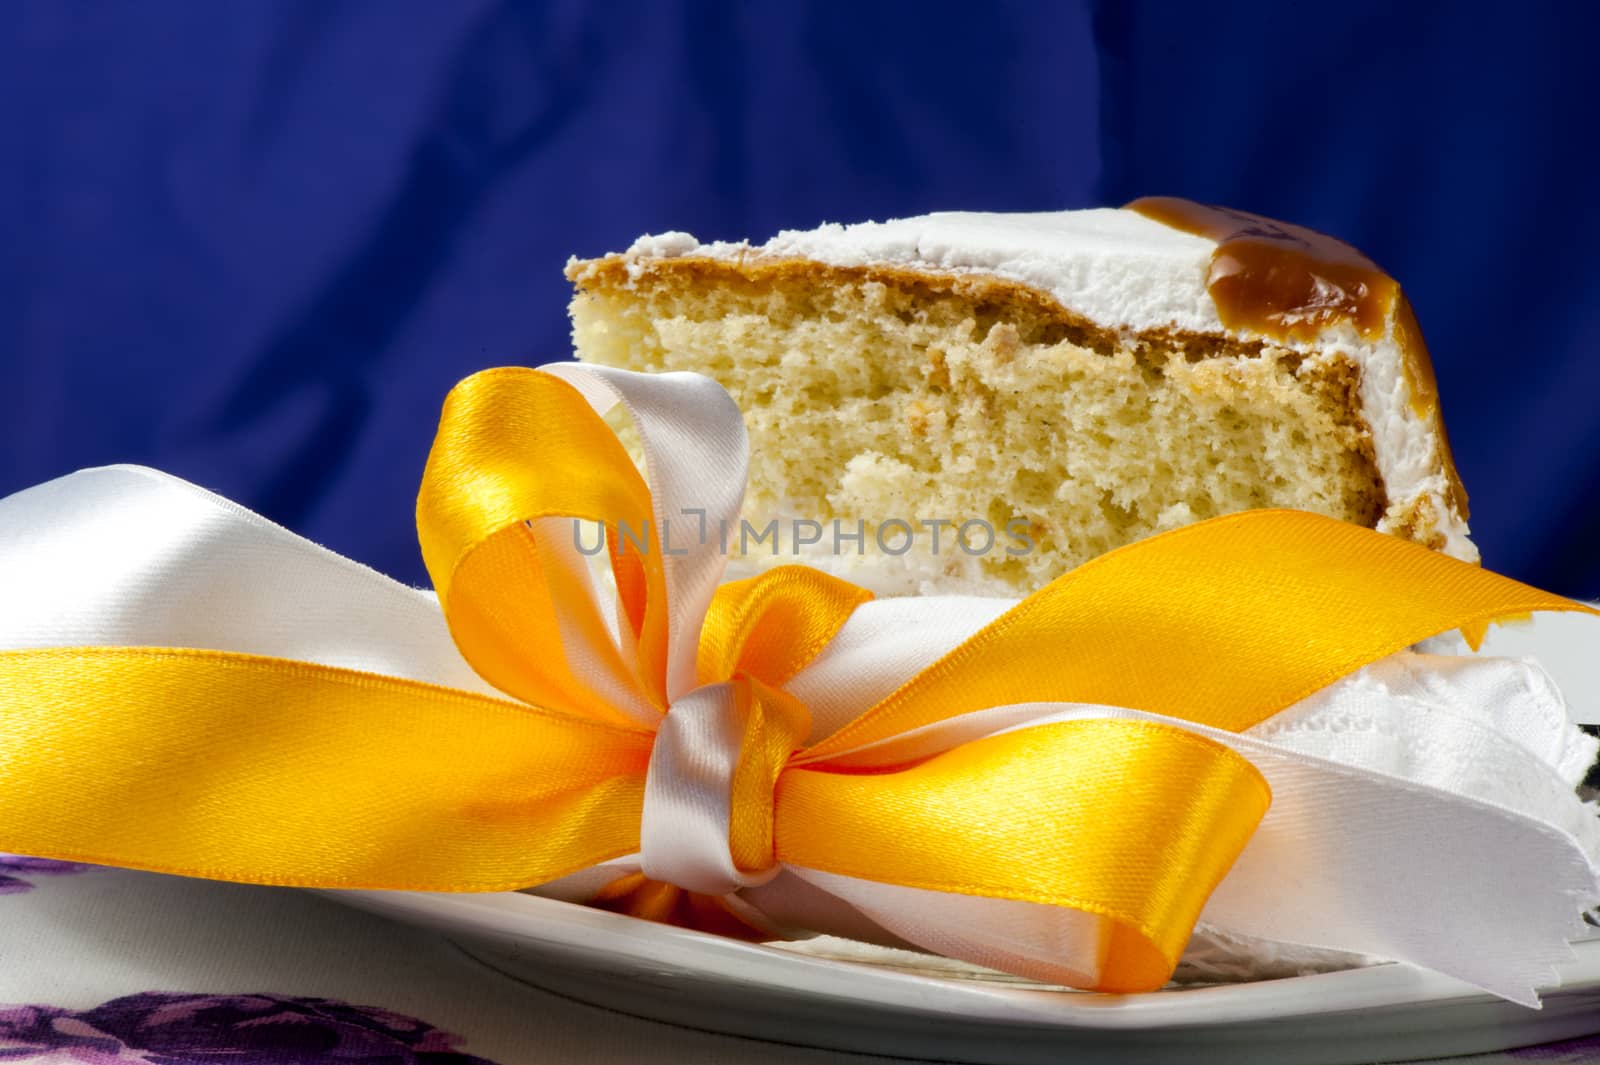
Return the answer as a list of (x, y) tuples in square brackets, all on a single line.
[(106, 967)]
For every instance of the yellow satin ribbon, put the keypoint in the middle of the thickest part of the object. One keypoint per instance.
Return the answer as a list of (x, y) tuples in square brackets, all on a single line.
[(237, 767)]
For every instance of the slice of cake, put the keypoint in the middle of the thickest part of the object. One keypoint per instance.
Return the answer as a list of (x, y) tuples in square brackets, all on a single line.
[(979, 402)]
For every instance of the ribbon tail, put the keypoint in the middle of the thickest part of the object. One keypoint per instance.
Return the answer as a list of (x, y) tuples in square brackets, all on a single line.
[(1357, 860), (1131, 824), (1401, 866), (1349, 858), (1226, 621), (128, 556), (262, 770)]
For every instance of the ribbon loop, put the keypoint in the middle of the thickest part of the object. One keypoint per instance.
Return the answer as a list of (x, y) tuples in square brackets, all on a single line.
[(497, 535), (695, 453), (773, 625)]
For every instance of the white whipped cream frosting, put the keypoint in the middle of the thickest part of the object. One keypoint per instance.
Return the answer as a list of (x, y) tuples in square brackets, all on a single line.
[(1123, 271)]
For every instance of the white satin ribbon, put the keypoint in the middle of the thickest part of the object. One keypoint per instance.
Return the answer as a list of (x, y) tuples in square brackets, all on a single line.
[(696, 455), (1423, 808), (688, 795)]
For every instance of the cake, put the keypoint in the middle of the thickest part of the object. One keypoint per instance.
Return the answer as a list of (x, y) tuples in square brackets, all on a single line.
[(975, 403)]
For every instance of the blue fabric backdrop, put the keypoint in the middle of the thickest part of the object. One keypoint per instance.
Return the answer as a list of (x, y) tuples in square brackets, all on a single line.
[(254, 243)]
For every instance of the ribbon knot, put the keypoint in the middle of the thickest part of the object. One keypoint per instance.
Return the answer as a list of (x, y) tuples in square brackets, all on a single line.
[(707, 823)]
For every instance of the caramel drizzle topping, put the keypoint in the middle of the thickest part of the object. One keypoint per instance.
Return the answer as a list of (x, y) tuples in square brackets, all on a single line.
[(1286, 282), (1280, 280)]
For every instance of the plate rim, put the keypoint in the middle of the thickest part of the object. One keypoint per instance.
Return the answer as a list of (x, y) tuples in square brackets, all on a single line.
[(617, 941)]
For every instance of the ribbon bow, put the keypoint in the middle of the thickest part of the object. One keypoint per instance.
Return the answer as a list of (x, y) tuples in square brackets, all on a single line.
[(1056, 788)]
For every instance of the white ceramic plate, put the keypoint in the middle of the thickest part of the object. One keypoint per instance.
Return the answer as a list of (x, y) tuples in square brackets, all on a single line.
[(1567, 646), (1383, 1013)]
